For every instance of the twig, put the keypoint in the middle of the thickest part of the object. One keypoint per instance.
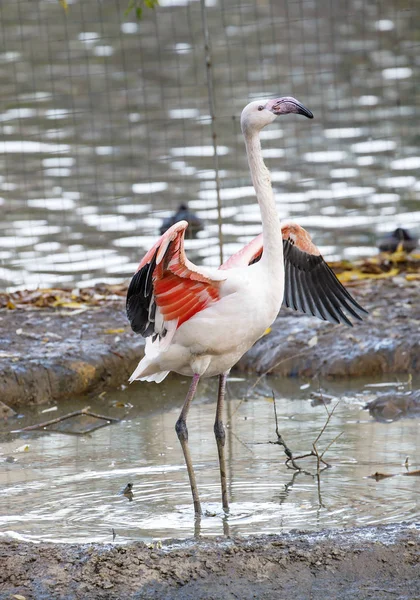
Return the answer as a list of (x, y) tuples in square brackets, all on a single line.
[(252, 388), (231, 432), (331, 443), (314, 452), (282, 360), (84, 411), (280, 441), (318, 482), (330, 414)]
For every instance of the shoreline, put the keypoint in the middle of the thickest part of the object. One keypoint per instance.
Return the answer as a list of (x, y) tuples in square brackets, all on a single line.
[(367, 562), (49, 353)]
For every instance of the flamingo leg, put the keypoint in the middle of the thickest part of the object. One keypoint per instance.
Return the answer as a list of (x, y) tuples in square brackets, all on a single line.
[(182, 433), (219, 432)]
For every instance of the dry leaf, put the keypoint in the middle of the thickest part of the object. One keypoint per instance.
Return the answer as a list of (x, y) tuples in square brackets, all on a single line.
[(24, 448), (118, 330), (65, 304), (313, 341)]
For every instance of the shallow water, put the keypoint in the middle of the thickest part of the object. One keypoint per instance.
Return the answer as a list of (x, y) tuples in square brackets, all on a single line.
[(67, 488), (105, 128)]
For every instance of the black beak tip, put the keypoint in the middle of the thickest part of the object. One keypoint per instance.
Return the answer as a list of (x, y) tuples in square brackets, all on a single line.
[(306, 112)]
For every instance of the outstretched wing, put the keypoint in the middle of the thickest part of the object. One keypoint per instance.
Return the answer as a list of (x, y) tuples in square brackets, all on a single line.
[(311, 287), (168, 289), (247, 255)]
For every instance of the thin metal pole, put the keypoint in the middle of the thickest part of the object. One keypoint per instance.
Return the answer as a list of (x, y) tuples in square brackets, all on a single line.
[(210, 90)]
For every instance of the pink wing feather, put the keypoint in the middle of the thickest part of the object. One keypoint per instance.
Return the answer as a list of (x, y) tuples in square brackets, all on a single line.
[(311, 287), (167, 288)]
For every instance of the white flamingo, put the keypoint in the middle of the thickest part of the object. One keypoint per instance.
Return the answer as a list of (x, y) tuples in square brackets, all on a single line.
[(199, 321)]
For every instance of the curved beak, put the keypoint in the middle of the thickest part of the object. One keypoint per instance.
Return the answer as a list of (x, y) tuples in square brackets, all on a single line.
[(302, 110), (286, 105)]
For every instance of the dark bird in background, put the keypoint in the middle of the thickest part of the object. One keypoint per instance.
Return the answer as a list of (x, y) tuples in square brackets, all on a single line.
[(128, 492), (391, 241), (195, 224)]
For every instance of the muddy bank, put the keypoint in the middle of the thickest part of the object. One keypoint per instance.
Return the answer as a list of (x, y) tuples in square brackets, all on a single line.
[(387, 341), (50, 353), (371, 562)]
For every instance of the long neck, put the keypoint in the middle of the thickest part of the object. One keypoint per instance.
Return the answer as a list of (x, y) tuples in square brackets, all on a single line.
[(272, 237)]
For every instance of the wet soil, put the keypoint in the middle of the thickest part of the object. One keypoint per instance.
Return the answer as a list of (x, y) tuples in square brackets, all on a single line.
[(51, 353), (387, 341), (371, 562)]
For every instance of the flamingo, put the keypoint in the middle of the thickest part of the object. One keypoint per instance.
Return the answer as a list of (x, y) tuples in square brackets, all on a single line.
[(199, 321)]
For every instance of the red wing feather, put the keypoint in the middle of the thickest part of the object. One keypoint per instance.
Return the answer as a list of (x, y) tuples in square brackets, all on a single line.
[(168, 282)]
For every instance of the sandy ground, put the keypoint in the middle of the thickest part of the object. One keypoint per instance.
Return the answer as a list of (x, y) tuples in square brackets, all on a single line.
[(373, 562), (51, 353)]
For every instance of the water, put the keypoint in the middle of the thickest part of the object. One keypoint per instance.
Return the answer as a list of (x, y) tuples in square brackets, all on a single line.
[(67, 488), (105, 128)]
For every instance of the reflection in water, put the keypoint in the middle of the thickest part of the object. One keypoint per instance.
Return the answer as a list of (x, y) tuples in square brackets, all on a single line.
[(71, 488), (110, 118)]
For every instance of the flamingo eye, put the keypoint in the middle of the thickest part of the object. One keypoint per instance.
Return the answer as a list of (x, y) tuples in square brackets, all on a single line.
[(261, 107)]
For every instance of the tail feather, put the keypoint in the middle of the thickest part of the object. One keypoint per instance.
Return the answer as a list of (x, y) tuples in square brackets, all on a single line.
[(148, 367), (141, 374), (156, 377)]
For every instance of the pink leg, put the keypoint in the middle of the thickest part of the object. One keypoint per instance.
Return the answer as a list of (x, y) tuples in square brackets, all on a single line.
[(219, 432), (182, 433)]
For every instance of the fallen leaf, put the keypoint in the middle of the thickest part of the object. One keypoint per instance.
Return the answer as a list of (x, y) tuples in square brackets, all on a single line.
[(10, 305), (111, 331), (18, 597), (66, 304), (50, 334), (24, 448), (347, 276), (73, 313), (313, 341)]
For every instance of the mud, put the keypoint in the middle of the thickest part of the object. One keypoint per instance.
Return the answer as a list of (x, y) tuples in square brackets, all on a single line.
[(387, 341), (49, 353), (371, 562), (62, 353)]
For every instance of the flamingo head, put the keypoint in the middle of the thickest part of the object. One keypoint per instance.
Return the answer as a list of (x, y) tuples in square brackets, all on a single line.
[(258, 114)]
